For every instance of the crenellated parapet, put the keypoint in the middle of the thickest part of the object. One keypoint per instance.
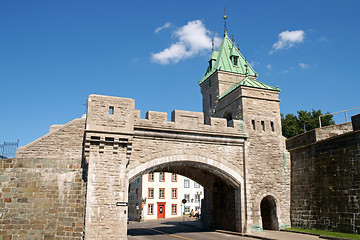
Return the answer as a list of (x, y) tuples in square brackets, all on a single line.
[(188, 122)]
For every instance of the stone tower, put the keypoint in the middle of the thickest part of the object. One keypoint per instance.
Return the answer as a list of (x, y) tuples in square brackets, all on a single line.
[(230, 90)]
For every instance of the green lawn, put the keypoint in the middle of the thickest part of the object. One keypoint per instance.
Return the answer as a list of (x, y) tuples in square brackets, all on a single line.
[(327, 233)]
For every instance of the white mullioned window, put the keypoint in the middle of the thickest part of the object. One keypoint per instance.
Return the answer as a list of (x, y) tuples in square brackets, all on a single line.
[(162, 177), (151, 209), (151, 193), (173, 209), (161, 192), (174, 193), (186, 183)]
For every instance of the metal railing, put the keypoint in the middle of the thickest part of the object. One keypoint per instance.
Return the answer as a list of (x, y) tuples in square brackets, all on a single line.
[(8, 149), (344, 111)]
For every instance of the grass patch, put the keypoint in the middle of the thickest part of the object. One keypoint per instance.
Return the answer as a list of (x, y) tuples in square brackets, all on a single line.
[(327, 233)]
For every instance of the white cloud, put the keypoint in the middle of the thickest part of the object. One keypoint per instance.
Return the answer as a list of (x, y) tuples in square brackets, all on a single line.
[(269, 67), (288, 39), (285, 71), (166, 25), (304, 65), (193, 39)]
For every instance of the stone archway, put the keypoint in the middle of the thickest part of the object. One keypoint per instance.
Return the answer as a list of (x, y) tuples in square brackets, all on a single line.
[(224, 196), (269, 214)]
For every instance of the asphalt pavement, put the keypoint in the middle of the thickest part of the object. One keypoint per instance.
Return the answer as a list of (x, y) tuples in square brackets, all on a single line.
[(184, 228)]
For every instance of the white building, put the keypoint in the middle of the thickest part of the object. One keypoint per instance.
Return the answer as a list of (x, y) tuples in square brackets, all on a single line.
[(160, 194), (193, 193)]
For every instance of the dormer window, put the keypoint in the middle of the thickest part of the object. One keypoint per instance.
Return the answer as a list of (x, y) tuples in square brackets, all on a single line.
[(236, 58), (210, 64)]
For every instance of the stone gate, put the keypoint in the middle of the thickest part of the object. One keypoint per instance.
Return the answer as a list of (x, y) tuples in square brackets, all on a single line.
[(73, 182)]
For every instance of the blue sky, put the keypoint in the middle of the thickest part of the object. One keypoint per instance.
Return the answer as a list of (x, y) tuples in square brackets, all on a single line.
[(53, 54)]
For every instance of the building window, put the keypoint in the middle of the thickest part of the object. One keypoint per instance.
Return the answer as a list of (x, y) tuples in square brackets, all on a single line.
[(174, 177), (196, 185), (162, 177), (186, 183), (161, 192), (187, 197), (253, 124), (151, 209), (197, 198), (197, 208), (151, 177), (151, 193), (173, 209), (174, 193), (187, 209), (272, 126), (263, 125), (137, 193), (111, 110), (236, 60), (210, 101)]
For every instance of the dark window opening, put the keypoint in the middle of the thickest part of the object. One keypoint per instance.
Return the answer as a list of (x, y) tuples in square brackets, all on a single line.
[(236, 60), (272, 126), (111, 110), (210, 101), (228, 117), (253, 124), (263, 125)]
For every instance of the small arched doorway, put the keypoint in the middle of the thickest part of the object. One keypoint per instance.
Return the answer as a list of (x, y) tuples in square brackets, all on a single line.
[(268, 213)]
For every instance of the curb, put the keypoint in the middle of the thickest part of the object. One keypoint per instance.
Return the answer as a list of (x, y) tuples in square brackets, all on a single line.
[(314, 234)]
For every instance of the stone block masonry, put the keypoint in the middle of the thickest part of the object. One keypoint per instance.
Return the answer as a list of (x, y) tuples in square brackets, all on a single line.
[(325, 183), (42, 192)]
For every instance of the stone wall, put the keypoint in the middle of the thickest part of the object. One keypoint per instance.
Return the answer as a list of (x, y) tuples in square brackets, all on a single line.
[(325, 184), (42, 190)]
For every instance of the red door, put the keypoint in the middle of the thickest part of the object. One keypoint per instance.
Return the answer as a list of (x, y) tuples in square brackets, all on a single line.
[(161, 210)]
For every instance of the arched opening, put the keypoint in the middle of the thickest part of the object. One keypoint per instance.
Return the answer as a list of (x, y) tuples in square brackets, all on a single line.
[(221, 204), (268, 213)]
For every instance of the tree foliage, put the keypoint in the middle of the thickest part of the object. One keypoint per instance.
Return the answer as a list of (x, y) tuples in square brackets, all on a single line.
[(293, 125)]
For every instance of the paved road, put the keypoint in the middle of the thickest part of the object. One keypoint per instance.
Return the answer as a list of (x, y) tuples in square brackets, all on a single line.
[(176, 229), (173, 230)]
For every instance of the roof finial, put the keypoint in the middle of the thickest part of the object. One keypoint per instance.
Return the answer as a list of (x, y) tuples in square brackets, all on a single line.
[(225, 17), (246, 67), (212, 44)]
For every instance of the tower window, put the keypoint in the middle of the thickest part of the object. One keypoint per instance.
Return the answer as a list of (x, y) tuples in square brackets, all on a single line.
[(210, 64), (253, 124), (272, 126), (263, 125), (236, 58), (111, 110), (228, 117)]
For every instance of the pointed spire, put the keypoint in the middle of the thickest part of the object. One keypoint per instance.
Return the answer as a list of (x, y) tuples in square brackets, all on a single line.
[(212, 44), (225, 17)]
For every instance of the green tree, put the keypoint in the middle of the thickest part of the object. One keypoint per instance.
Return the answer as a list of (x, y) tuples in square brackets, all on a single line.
[(293, 125)]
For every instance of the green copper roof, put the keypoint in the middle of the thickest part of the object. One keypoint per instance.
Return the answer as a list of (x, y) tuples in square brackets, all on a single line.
[(249, 82), (222, 60)]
